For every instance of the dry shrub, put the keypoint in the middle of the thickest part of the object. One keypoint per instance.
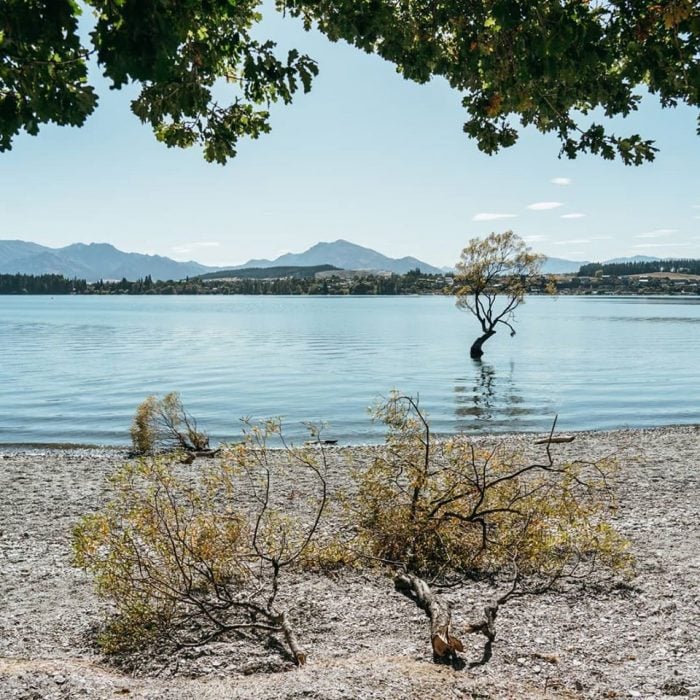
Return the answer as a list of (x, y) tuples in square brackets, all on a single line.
[(450, 510), (191, 556), (187, 557), (164, 424)]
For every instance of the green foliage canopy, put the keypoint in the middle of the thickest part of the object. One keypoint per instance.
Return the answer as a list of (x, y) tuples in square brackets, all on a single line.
[(545, 63), (176, 51), (517, 63)]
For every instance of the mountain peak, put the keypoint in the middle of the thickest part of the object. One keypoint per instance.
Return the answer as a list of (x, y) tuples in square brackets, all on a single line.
[(91, 246), (339, 243), (347, 256)]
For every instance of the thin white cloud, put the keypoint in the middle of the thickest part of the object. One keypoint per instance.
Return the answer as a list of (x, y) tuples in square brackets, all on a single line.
[(660, 245), (534, 239), (491, 216), (573, 215), (573, 240), (543, 206), (658, 233), (189, 247), (695, 206), (563, 181), (601, 238)]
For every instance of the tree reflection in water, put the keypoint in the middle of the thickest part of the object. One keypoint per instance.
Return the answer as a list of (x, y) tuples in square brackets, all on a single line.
[(491, 402)]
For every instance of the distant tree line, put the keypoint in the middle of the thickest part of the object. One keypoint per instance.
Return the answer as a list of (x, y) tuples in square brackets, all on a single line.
[(687, 265), (144, 285), (413, 282), (41, 284)]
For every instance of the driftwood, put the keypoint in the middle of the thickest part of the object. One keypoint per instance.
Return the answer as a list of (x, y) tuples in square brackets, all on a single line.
[(439, 613), (555, 440), (189, 456), (209, 452), (291, 639)]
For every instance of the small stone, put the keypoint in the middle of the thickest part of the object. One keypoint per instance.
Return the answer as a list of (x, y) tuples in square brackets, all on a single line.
[(675, 688)]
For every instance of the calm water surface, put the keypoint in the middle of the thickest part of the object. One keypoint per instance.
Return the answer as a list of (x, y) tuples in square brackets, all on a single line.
[(73, 369)]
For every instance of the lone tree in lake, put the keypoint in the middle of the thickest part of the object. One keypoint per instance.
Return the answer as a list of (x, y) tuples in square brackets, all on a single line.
[(500, 265)]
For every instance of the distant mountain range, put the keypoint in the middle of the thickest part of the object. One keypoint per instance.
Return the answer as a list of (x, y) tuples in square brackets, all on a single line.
[(633, 259), (95, 261), (560, 266)]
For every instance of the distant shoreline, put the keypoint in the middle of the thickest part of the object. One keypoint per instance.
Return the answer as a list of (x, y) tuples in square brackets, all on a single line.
[(124, 450), (561, 293), (337, 282)]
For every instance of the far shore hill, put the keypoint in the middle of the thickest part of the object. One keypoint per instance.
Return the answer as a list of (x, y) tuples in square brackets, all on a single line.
[(102, 261), (637, 277)]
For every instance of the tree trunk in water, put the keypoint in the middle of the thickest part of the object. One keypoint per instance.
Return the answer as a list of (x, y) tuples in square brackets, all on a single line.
[(475, 351)]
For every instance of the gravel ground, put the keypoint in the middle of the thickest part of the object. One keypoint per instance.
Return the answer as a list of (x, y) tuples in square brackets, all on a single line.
[(364, 639)]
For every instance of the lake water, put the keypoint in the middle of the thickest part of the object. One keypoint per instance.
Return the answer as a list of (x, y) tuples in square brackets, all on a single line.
[(73, 369)]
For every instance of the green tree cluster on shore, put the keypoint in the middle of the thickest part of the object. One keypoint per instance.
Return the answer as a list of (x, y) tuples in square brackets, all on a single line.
[(41, 284), (278, 271), (688, 265), (411, 283)]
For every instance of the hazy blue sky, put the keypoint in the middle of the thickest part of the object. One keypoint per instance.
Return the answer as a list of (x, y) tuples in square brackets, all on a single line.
[(366, 156)]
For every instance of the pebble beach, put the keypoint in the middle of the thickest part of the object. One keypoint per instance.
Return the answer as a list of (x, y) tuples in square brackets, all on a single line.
[(364, 639)]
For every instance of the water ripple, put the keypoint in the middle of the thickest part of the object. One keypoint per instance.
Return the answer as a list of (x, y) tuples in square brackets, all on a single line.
[(74, 368)]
